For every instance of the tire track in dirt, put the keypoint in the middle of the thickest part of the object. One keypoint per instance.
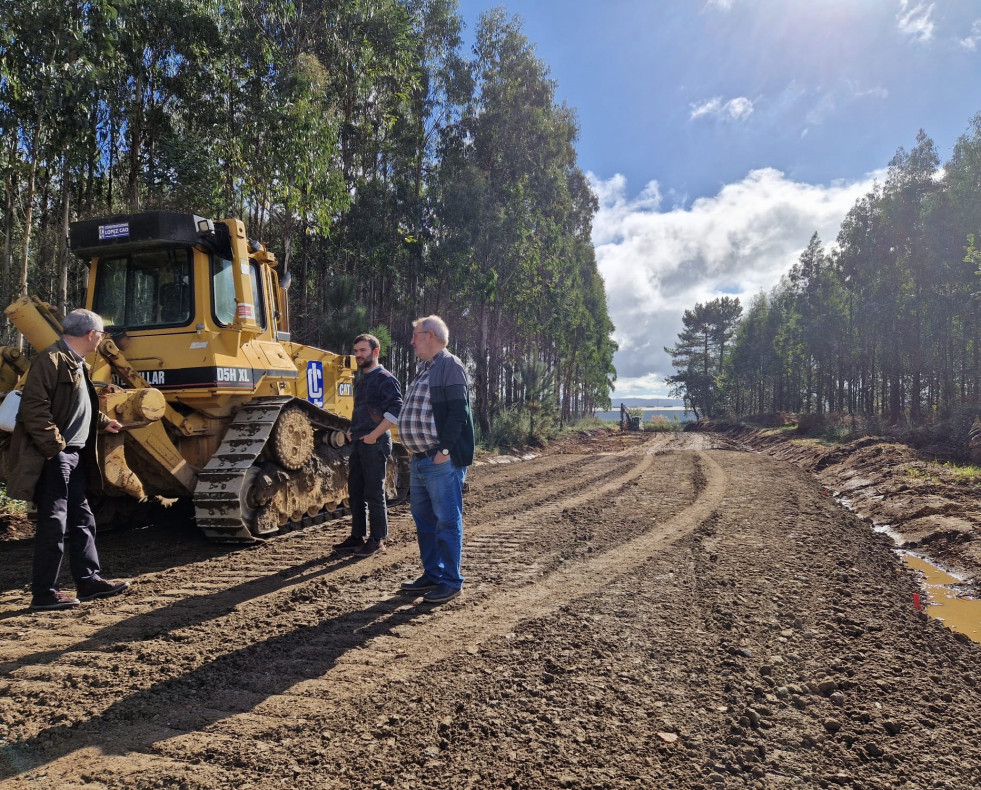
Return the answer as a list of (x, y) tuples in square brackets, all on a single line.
[(501, 612), (85, 655), (409, 649), (698, 660), (518, 492), (194, 595), (209, 587)]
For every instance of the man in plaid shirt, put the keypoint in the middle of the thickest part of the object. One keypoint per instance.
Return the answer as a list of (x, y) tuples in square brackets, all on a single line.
[(436, 426)]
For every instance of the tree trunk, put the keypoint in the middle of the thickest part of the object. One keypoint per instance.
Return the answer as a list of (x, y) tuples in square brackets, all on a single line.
[(135, 143), (28, 215), (10, 188), (480, 373), (63, 240)]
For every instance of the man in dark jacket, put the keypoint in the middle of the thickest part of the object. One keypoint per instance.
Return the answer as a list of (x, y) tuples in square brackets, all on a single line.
[(377, 403), (54, 442), (436, 425)]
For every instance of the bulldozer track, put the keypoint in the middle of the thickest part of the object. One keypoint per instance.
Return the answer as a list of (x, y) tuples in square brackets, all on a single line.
[(277, 471), (218, 494)]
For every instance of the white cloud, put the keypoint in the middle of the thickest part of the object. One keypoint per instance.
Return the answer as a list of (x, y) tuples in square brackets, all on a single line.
[(858, 92), (735, 109), (971, 42), (656, 264), (828, 102), (722, 5), (739, 108), (914, 20), (825, 106)]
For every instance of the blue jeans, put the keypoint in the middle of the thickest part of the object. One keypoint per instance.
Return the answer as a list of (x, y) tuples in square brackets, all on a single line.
[(63, 511), (436, 492), (366, 487)]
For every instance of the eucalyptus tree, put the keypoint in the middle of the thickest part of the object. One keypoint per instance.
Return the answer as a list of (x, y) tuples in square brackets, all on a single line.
[(50, 53), (962, 181), (503, 198)]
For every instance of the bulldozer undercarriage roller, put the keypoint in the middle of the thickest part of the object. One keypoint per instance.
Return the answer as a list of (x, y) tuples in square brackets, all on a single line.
[(244, 493), (397, 476), (292, 439)]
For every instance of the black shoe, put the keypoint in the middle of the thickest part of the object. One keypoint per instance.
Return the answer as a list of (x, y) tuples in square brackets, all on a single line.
[(419, 585), (349, 544), (100, 588), (55, 600), (441, 593), (370, 547)]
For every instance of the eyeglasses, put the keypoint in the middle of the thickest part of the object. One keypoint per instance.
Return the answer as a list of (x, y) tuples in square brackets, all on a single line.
[(100, 332), (422, 332)]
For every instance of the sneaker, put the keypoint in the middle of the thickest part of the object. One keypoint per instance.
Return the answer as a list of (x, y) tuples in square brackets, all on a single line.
[(419, 585), (441, 593), (349, 544), (370, 547), (55, 600), (100, 588)]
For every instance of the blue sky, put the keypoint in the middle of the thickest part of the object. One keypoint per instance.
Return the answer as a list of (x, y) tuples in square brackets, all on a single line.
[(720, 134)]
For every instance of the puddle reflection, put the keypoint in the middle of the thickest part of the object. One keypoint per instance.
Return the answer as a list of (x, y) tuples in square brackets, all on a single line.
[(946, 598)]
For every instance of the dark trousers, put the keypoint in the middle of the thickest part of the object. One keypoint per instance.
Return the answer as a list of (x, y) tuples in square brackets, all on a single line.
[(63, 511), (366, 487)]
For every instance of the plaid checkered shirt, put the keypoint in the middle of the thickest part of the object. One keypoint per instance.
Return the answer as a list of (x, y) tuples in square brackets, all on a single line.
[(417, 428)]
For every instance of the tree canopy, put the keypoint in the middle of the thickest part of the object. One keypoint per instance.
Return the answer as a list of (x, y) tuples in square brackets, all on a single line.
[(394, 175), (886, 323)]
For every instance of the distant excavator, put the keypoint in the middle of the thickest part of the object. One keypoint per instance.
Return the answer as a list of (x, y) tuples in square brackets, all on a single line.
[(628, 422)]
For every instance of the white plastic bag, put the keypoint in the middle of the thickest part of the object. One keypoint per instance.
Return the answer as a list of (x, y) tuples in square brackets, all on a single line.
[(8, 411)]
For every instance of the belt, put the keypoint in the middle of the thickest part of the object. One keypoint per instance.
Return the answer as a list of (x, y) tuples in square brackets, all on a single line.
[(427, 454)]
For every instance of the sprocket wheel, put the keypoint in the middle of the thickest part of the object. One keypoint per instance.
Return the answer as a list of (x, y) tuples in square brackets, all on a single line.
[(292, 439)]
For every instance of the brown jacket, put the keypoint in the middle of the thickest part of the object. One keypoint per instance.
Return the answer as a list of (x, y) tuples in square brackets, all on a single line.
[(54, 383)]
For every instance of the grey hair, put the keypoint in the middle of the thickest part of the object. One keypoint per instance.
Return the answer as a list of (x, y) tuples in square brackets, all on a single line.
[(436, 325), (78, 323)]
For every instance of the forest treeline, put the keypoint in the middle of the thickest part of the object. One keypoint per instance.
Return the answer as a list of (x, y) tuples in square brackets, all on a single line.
[(885, 324), (393, 174)]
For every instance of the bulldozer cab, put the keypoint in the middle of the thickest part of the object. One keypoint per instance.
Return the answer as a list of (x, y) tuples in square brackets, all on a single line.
[(164, 270), (200, 312), (153, 289)]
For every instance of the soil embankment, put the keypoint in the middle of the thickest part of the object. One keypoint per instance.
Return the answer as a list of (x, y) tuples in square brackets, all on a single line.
[(655, 611)]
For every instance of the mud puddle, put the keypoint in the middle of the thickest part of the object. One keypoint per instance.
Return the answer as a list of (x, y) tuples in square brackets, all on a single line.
[(945, 598)]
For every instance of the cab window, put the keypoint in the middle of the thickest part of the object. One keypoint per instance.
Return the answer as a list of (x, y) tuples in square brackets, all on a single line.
[(223, 292), (145, 289)]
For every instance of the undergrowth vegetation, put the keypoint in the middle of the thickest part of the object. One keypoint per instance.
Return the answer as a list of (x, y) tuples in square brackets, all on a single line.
[(11, 507)]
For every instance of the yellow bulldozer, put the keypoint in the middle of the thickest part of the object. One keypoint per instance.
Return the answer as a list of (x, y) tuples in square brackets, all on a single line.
[(221, 407)]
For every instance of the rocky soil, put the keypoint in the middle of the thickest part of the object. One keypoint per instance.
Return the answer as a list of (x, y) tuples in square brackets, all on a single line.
[(641, 611), (932, 508)]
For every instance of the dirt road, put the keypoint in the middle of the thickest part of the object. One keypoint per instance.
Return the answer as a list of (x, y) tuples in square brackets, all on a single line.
[(644, 612)]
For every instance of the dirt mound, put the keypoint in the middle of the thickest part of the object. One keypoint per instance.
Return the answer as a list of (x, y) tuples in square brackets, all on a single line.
[(15, 528)]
